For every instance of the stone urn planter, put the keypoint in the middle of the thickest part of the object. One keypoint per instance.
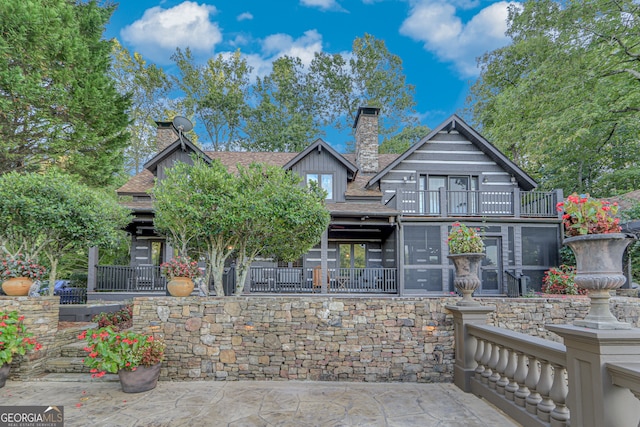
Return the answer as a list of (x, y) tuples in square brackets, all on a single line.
[(180, 286), (144, 378), (599, 270), (4, 374), (17, 286), (466, 279)]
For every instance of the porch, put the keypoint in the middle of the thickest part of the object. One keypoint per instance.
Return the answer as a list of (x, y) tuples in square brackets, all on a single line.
[(298, 280), (446, 203)]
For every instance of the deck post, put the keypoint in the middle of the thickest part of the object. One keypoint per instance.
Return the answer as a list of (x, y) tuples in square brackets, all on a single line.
[(442, 192), (324, 254), (517, 202), (92, 272), (593, 399), (465, 344)]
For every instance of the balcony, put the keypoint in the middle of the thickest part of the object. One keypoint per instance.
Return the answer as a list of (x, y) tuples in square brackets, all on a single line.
[(447, 203)]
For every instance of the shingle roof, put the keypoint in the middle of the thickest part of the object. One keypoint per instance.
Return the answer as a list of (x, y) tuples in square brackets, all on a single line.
[(373, 209), (143, 182)]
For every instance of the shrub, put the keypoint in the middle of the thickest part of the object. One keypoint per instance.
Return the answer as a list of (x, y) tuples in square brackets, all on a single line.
[(560, 281), (118, 320)]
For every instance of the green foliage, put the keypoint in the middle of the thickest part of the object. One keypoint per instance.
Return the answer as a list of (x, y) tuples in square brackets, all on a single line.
[(181, 266), (215, 94), (562, 99), (398, 144), (148, 87), (112, 351), (371, 77), (464, 240), (14, 338), (53, 214), (59, 105), (20, 266)]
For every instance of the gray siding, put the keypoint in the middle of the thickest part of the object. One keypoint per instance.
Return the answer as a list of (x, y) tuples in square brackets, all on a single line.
[(446, 154), (176, 156), (140, 252), (323, 162)]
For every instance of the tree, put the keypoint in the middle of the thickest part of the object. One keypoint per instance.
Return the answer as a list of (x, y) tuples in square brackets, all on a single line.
[(53, 214), (58, 104), (563, 98), (399, 143), (148, 88), (372, 77), (215, 94), (276, 216), (284, 117)]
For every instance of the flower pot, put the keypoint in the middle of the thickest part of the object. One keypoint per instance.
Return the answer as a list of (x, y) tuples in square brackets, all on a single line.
[(144, 378), (4, 374), (17, 286), (180, 286), (466, 279), (599, 270)]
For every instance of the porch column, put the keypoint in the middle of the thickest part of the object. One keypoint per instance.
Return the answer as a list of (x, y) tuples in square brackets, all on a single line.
[(593, 399), (400, 258), (324, 251), (465, 344), (92, 272), (516, 202), (168, 252)]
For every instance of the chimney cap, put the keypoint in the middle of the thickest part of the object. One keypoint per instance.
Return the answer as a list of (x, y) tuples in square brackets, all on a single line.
[(164, 124), (373, 111)]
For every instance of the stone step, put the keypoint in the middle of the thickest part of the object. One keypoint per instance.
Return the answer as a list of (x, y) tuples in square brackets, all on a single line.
[(75, 349), (76, 377), (66, 365)]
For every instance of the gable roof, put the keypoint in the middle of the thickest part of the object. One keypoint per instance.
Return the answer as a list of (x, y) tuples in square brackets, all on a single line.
[(183, 143), (456, 123), (320, 145)]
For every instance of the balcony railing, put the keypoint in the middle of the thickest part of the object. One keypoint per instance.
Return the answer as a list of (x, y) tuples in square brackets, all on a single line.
[(122, 278), (444, 203)]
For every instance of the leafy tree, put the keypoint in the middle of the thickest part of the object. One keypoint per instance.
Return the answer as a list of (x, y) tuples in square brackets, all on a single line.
[(215, 94), (372, 77), (401, 142), (283, 119), (148, 87), (53, 214), (58, 104), (563, 98), (275, 216)]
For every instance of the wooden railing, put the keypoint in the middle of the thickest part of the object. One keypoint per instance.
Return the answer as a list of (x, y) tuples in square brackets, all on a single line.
[(524, 376), (124, 278), (516, 284), (446, 203)]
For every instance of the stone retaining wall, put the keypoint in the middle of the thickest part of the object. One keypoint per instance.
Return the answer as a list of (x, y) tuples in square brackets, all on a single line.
[(349, 339), (40, 318)]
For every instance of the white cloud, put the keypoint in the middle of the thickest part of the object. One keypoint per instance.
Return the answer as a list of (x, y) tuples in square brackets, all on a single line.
[(246, 16), (304, 47), (157, 34), (435, 23), (322, 4)]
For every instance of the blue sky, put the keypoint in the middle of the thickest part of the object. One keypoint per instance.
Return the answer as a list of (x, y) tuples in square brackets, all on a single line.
[(438, 40)]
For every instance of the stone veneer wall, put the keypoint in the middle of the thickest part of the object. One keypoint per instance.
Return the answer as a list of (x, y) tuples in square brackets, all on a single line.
[(40, 318), (351, 339)]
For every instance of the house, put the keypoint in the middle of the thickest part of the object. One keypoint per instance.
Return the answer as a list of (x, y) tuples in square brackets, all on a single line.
[(390, 215)]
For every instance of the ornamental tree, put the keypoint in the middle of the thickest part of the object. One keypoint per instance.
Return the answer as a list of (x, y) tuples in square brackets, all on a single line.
[(52, 214)]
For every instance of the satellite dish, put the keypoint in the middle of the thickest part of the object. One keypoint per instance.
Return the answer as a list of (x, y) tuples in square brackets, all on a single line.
[(182, 124)]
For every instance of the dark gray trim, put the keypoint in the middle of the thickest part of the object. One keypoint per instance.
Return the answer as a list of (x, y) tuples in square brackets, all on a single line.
[(456, 123), (184, 144), (319, 144)]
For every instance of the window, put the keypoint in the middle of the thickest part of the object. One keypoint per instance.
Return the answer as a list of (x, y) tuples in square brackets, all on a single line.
[(461, 193), (325, 181)]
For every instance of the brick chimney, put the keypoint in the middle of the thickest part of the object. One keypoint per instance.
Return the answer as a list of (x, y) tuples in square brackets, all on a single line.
[(166, 135), (366, 125)]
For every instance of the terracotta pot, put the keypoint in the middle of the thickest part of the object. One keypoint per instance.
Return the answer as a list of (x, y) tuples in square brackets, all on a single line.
[(144, 378), (466, 279), (180, 286), (4, 374), (17, 286), (599, 270)]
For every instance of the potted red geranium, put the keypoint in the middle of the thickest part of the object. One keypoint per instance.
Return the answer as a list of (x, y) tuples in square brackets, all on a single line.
[(14, 340), (181, 271), (594, 234)]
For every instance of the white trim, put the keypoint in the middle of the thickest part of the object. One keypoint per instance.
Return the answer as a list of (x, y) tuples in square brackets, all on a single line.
[(142, 257), (396, 181), (448, 152), (495, 173), (320, 259), (505, 184), (449, 142), (447, 162)]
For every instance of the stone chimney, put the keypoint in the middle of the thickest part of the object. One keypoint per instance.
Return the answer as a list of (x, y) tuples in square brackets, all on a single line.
[(366, 125), (166, 135)]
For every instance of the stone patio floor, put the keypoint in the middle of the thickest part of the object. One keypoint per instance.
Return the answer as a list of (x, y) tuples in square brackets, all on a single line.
[(257, 403)]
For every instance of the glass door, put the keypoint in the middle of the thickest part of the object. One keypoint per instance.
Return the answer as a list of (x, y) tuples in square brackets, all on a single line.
[(491, 269)]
